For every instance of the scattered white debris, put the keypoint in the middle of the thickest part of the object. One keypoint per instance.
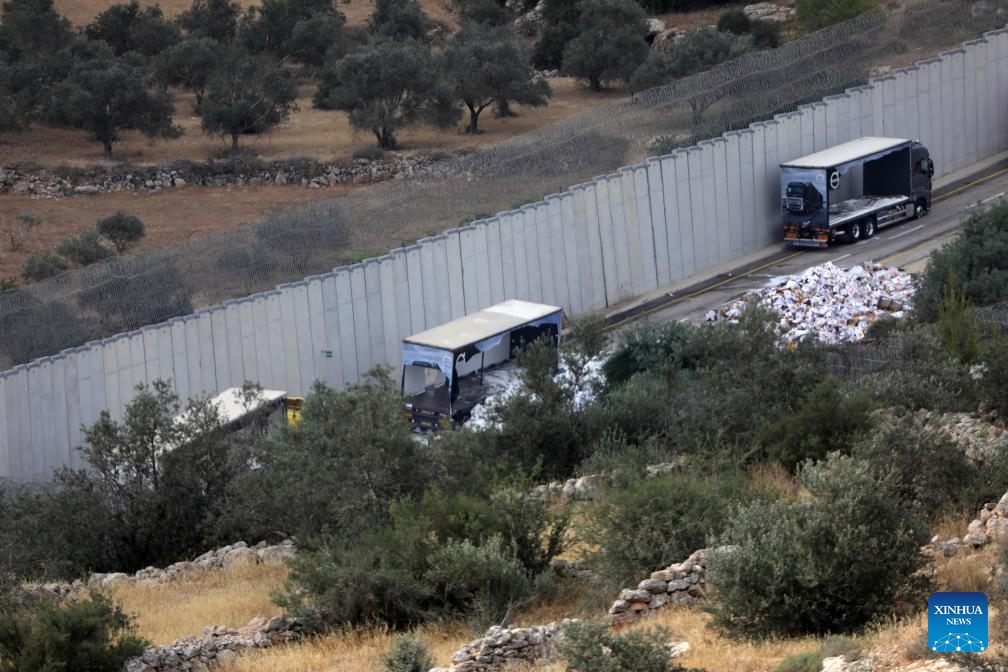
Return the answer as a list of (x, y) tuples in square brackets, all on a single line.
[(583, 388), (829, 302)]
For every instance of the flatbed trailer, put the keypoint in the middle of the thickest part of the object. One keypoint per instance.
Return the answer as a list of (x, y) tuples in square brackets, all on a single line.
[(848, 191)]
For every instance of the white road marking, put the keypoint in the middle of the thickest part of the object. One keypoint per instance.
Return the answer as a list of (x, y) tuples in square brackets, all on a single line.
[(986, 200), (842, 256), (903, 233)]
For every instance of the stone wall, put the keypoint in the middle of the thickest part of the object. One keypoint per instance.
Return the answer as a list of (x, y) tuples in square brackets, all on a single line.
[(679, 584), (501, 647), (217, 647), (65, 182)]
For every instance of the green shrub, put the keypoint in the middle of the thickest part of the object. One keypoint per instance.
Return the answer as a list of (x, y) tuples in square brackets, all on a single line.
[(642, 524), (975, 257), (735, 21), (700, 49), (481, 581), (831, 562), (957, 321), (84, 248), (811, 661), (920, 374), (765, 34), (407, 655), (592, 647), (994, 383), (81, 634), (42, 265), (816, 14), (647, 346), (548, 51), (929, 468), (826, 420), (121, 229)]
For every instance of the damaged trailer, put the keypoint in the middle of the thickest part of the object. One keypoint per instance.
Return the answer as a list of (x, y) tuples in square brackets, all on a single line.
[(448, 370)]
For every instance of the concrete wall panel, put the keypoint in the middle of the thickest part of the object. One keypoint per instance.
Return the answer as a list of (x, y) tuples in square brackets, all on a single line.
[(924, 105), (544, 248), (18, 424), (606, 238), (470, 280), (908, 78), (40, 391), (495, 259), (302, 334), (277, 341), (528, 277), (574, 246), (208, 368), (61, 447), (734, 205), (289, 351), (416, 283), (391, 351), (507, 234), (331, 369), (953, 112), (347, 327), (720, 220), (819, 128), (221, 360), (704, 214), (481, 255), (659, 230), (403, 307), (431, 278), (632, 224), (974, 98), (455, 273), (807, 126), (247, 338), (684, 212), (236, 360), (621, 246), (645, 220), (180, 357), (263, 345), (317, 319), (586, 202), (72, 386), (365, 324), (5, 443), (561, 292)]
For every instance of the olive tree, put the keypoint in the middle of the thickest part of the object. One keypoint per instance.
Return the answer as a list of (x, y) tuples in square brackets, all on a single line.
[(611, 43)]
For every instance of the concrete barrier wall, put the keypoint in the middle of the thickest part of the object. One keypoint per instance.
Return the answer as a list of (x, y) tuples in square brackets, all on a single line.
[(593, 246)]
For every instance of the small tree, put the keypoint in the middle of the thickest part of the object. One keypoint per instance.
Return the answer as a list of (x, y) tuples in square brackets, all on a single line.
[(189, 64), (122, 230), (384, 87), (106, 95), (816, 14), (699, 49), (407, 655), (271, 26), (42, 265), (81, 634), (489, 64), (799, 567), (594, 647), (214, 19), (18, 229), (84, 248), (247, 94), (611, 44), (398, 20), (127, 27)]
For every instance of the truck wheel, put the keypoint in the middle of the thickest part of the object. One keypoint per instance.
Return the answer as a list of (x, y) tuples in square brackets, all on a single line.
[(868, 230), (920, 208), (854, 232)]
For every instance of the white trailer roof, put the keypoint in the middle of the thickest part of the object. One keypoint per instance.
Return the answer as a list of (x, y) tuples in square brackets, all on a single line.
[(230, 406), (481, 325), (846, 152)]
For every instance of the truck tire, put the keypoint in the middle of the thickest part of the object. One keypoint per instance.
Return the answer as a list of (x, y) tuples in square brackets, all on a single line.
[(920, 208), (854, 232), (868, 228)]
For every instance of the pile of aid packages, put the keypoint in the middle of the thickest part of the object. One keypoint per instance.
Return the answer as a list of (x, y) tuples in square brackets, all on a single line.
[(831, 303)]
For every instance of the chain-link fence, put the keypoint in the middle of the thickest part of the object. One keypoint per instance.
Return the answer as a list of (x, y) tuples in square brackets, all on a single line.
[(892, 352), (133, 291)]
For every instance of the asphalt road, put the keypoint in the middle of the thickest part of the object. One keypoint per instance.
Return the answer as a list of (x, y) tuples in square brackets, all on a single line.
[(905, 245)]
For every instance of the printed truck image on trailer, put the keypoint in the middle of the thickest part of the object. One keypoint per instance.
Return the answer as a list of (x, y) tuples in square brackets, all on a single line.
[(850, 190), (448, 370)]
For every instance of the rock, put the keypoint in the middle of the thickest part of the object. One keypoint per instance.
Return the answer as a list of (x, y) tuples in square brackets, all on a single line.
[(655, 27), (635, 595), (976, 539), (618, 607), (85, 190), (768, 11), (997, 529), (239, 556), (226, 657), (677, 648), (653, 586), (1001, 508), (138, 665), (834, 664)]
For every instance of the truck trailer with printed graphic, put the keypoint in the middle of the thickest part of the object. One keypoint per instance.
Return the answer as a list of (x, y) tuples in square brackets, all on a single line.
[(850, 190)]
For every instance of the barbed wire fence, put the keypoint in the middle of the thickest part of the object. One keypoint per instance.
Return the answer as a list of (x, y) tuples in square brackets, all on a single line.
[(129, 292)]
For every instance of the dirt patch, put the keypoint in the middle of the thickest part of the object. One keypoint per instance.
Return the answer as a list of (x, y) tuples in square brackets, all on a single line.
[(169, 216)]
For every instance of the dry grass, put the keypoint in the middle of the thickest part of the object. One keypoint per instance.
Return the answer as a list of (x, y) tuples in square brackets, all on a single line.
[(165, 612), (968, 570)]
